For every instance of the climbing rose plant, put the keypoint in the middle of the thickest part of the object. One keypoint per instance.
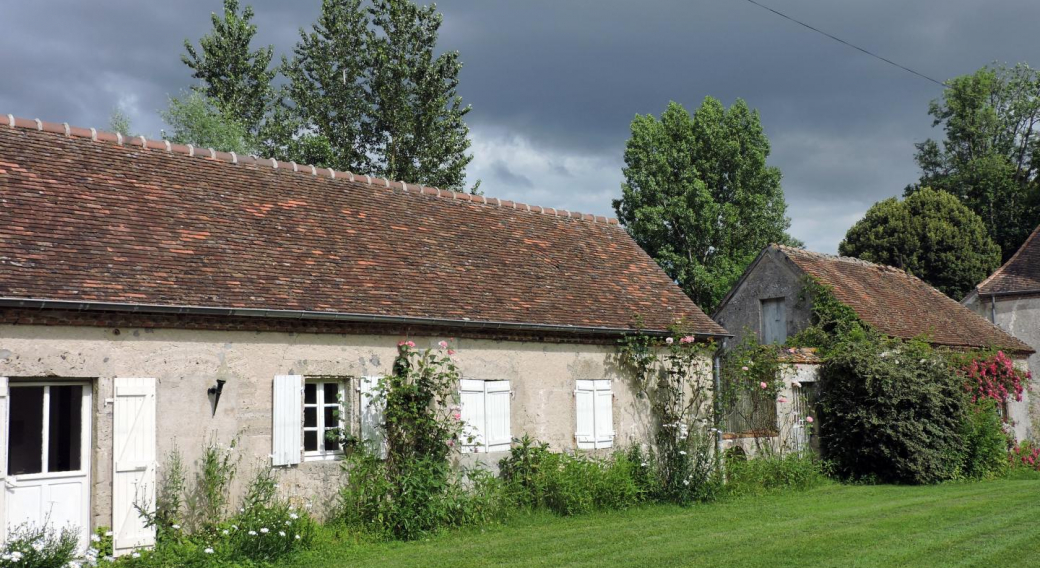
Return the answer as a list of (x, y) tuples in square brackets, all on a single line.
[(673, 375), (995, 378)]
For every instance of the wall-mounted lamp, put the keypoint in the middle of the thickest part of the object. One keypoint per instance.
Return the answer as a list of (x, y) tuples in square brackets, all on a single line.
[(216, 391)]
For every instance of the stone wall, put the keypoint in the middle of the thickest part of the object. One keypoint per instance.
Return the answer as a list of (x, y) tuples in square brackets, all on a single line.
[(186, 363)]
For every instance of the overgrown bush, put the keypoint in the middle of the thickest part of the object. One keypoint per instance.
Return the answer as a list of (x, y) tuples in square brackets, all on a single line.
[(774, 472), (985, 450), (265, 527), (39, 546), (891, 411), (573, 484)]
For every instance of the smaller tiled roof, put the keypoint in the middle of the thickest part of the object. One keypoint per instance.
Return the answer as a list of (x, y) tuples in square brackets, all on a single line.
[(1020, 274), (899, 304)]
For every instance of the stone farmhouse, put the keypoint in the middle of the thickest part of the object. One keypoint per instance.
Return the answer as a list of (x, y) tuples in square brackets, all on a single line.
[(155, 296)]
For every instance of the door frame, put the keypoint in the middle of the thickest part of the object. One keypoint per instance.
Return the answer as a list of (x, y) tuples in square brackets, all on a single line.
[(86, 447)]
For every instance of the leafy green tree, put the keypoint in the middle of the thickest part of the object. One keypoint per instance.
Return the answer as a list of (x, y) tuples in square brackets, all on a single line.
[(369, 94), (234, 77), (328, 118), (990, 157), (195, 120), (119, 122), (699, 197), (930, 234)]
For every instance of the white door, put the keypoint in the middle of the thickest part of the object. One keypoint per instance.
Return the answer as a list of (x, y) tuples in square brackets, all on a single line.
[(47, 443)]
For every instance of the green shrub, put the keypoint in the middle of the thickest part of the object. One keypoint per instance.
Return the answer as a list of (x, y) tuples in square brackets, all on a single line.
[(420, 499), (985, 454), (39, 547), (265, 528), (891, 411), (773, 473), (572, 484)]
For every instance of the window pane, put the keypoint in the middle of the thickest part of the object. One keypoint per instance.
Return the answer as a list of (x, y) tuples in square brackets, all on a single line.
[(331, 393), (331, 421), (63, 452), (310, 393), (25, 445), (310, 417), (331, 441), (310, 441)]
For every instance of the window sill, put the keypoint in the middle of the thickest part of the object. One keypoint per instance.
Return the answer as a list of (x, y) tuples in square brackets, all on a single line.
[(334, 456), (750, 434)]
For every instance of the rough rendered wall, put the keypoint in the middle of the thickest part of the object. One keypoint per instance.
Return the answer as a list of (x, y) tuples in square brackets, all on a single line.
[(771, 278), (803, 373), (186, 363), (1021, 318)]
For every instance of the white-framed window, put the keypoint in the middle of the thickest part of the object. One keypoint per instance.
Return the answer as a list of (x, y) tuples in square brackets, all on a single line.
[(485, 412), (312, 414), (325, 417), (594, 404)]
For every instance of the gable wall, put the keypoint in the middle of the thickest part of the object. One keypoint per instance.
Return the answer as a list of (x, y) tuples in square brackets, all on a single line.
[(187, 362), (1019, 316), (772, 277)]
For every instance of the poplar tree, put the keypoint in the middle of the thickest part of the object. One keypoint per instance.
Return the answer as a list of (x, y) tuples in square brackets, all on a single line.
[(234, 77), (370, 94)]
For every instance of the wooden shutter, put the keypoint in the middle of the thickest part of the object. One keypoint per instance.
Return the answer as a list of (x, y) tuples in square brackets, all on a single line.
[(371, 416), (473, 415), (3, 457), (585, 407), (496, 404), (133, 451), (604, 414), (287, 416), (774, 321)]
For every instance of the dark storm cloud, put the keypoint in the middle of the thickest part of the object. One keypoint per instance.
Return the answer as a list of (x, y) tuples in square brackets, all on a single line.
[(554, 85)]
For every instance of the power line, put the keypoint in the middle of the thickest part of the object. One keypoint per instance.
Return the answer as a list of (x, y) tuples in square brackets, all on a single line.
[(856, 47)]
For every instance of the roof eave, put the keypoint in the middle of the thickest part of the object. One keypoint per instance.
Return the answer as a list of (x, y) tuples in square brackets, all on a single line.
[(73, 305)]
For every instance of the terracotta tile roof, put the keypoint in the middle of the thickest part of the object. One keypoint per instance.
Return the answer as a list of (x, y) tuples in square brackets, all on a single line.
[(1020, 274), (136, 221), (900, 305)]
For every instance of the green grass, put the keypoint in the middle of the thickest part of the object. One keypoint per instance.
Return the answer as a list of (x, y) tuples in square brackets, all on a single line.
[(994, 524)]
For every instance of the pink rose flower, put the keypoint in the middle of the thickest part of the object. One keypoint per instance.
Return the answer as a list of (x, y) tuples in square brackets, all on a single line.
[(443, 344), (451, 352), (669, 341), (809, 419), (782, 400), (743, 368), (763, 385), (688, 339)]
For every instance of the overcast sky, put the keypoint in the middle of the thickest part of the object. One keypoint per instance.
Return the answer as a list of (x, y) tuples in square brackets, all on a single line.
[(555, 84)]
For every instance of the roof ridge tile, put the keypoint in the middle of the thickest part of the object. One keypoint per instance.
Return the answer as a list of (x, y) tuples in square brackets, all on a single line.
[(230, 158)]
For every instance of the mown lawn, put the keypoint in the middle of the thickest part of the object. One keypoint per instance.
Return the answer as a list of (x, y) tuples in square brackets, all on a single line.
[(994, 524)]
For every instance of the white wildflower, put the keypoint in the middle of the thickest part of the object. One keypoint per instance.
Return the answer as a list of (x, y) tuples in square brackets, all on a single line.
[(135, 555), (95, 538), (265, 530), (225, 532), (208, 550), (297, 537), (176, 527), (281, 533), (293, 516), (252, 533)]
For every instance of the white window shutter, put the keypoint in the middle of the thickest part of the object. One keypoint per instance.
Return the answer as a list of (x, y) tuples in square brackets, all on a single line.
[(3, 446), (585, 406), (287, 416), (133, 452), (604, 415), (496, 402), (473, 415), (372, 416)]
